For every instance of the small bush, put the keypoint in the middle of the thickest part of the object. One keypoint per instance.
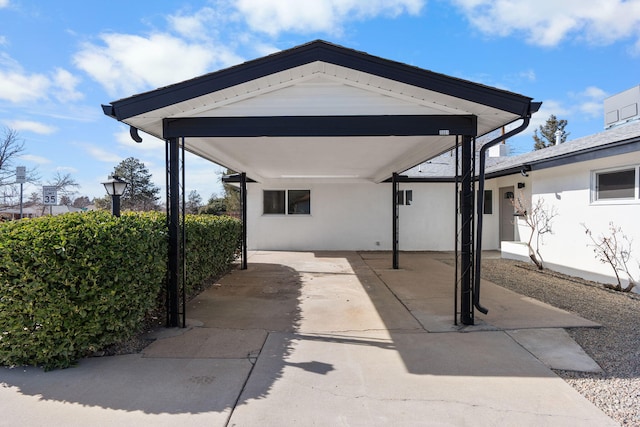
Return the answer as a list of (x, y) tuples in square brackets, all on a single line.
[(74, 283)]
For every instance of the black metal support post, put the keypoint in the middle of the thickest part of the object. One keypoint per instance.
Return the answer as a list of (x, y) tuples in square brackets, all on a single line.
[(466, 238), (243, 200), (173, 225), (183, 235), (395, 185)]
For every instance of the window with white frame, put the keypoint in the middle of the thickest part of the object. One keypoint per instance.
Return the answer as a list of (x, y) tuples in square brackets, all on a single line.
[(286, 202), (615, 185)]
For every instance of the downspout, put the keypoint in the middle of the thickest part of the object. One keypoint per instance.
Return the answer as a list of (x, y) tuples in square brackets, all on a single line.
[(480, 204)]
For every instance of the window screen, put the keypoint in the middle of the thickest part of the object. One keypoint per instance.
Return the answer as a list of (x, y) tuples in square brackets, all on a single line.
[(616, 185), (488, 201), (299, 202), (273, 202)]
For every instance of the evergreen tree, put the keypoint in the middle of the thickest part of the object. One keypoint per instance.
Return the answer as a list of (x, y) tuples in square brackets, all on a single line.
[(194, 202), (141, 194), (547, 136)]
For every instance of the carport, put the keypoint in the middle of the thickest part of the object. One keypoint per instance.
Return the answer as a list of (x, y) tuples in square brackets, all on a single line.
[(324, 112)]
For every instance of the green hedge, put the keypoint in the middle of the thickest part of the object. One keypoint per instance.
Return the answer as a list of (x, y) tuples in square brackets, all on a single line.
[(212, 243), (75, 283)]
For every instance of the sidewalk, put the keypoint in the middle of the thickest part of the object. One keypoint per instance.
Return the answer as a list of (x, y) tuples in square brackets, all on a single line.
[(327, 339)]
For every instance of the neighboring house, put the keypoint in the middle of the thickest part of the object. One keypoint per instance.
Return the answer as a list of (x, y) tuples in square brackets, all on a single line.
[(11, 213), (37, 211)]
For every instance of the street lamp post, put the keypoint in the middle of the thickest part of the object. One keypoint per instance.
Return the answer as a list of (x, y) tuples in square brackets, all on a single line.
[(115, 187)]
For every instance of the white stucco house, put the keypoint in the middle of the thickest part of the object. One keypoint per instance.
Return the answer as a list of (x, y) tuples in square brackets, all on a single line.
[(337, 149), (587, 182)]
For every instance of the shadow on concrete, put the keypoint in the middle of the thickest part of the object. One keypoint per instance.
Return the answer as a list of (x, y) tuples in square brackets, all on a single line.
[(197, 369), (320, 314)]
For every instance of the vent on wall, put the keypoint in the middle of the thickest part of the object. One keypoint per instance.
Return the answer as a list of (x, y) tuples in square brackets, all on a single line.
[(622, 108)]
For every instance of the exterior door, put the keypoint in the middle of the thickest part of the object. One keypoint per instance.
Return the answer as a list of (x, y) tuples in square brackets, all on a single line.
[(507, 210)]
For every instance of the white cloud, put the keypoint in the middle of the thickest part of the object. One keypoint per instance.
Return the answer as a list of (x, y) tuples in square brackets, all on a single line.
[(65, 86), (584, 104), (197, 26), (4, 3), (126, 64), (35, 159), (19, 87), (275, 16), (549, 22), (67, 169), (102, 154), (589, 102), (31, 126)]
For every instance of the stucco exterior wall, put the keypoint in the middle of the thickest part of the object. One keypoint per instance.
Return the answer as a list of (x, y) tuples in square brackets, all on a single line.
[(567, 189), (343, 217), (346, 216)]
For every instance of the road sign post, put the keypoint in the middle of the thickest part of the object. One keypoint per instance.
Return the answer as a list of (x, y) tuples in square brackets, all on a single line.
[(21, 178), (50, 195)]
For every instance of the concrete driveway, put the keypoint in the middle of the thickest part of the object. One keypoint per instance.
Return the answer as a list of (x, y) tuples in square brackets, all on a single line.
[(327, 339)]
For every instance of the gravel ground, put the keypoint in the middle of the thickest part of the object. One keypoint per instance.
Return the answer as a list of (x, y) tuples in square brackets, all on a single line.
[(615, 346)]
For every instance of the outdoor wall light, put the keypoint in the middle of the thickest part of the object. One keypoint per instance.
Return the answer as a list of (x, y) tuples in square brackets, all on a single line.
[(115, 187)]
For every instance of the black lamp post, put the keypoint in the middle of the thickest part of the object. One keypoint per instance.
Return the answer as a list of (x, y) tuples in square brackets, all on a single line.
[(115, 188)]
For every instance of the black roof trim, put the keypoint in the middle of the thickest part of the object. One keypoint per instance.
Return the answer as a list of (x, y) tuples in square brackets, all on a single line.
[(409, 179), (234, 178), (318, 51), (599, 152)]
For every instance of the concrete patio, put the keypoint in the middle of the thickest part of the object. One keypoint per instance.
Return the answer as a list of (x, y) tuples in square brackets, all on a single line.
[(325, 339)]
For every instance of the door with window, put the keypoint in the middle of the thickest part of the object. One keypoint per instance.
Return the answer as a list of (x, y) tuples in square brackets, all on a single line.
[(507, 210)]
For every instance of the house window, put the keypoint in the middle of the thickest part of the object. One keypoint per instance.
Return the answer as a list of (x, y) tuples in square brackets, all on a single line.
[(290, 202), (273, 201), (488, 202), (404, 197), (299, 202), (619, 184)]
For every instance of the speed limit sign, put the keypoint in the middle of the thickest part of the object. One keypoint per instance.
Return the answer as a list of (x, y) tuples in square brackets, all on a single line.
[(50, 195)]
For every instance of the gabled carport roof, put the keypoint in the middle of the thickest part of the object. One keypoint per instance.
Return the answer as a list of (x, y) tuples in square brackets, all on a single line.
[(320, 111)]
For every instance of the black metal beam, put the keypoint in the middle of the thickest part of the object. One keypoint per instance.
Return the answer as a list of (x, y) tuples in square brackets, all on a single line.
[(173, 224), (318, 126), (243, 201), (466, 232), (394, 194)]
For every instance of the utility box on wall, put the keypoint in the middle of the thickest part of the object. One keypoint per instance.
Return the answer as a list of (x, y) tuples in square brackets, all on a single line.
[(622, 107)]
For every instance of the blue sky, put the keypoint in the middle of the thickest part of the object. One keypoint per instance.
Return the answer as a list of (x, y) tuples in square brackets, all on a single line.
[(60, 60)]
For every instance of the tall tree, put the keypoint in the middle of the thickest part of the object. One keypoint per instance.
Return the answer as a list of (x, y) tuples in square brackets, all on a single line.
[(11, 146), (194, 202), (65, 200), (65, 184), (231, 196), (141, 194), (81, 202), (547, 136)]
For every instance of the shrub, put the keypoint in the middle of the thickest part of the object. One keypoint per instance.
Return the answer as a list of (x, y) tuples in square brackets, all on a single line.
[(212, 243), (75, 283)]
